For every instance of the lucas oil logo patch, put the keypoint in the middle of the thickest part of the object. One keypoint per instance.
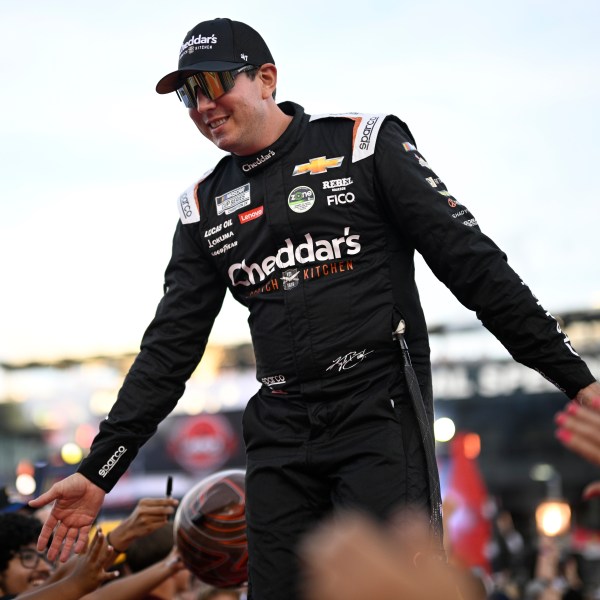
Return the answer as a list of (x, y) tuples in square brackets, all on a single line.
[(233, 200)]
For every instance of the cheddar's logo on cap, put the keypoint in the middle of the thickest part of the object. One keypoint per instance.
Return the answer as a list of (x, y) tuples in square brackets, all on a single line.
[(198, 40)]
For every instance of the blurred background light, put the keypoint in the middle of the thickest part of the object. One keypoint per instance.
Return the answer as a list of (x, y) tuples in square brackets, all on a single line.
[(25, 484), (444, 429), (553, 517), (71, 453)]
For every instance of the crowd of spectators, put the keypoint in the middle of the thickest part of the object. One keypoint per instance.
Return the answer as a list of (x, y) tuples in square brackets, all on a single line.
[(136, 560), (349, 557)]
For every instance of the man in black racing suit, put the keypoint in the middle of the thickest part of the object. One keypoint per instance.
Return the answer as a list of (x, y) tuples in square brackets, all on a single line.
[(315, 233)]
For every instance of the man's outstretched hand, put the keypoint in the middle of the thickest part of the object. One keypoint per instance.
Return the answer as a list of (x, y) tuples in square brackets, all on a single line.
[(77, 502)]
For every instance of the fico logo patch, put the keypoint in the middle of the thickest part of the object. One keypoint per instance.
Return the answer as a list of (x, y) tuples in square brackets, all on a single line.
[(335, 199)]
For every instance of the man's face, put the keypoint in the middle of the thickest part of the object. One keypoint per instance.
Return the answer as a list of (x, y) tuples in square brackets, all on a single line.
[(235, 121), (26, 569)]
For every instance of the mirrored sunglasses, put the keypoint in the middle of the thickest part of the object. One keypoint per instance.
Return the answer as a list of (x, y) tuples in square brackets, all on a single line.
[(213, 84)]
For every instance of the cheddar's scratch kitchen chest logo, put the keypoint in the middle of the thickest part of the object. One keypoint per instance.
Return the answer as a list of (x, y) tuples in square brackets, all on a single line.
[(316, 166), (330, 252)]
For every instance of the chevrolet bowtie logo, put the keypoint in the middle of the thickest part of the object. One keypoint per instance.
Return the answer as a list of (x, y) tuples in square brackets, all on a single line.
[(318, 165)]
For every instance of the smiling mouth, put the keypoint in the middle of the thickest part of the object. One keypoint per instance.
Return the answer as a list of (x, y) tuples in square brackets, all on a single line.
[(38, 580), (218, 123)]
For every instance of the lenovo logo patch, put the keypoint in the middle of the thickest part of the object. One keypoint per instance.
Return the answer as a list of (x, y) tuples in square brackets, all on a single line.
[(250, 215)]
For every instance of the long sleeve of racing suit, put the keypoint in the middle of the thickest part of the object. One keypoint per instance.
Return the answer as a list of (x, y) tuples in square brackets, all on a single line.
[(470, 264), (171, 348)]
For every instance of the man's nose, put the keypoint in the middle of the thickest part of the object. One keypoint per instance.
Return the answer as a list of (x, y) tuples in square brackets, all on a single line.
[(203, 102)]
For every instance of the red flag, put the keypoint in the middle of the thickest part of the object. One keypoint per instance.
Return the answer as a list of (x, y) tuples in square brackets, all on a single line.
[(469, 527)]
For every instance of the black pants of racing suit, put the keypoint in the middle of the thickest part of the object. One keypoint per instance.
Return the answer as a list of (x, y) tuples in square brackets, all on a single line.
[(305, 459)]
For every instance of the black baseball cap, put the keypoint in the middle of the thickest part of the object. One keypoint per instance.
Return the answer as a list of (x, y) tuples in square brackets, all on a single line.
[(216, 45)]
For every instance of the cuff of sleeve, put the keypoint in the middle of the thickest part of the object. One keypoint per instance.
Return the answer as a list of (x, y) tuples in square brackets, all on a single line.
[(105, 468), (572, 381)]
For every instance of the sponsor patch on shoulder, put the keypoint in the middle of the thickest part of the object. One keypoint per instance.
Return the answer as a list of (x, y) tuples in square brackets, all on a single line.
[(187, 203), (364, 136)]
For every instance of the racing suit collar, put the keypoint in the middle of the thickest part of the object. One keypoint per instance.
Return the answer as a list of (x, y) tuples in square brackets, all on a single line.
[(255, 163)]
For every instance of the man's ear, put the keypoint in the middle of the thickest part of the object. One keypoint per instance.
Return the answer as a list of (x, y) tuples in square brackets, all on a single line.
[(268, 77)]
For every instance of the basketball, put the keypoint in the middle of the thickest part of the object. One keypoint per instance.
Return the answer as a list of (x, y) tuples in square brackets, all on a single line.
[(210, 529)]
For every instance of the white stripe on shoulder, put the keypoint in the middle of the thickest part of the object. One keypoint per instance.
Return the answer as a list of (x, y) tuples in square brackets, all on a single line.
[(364, 136), (188, 203)]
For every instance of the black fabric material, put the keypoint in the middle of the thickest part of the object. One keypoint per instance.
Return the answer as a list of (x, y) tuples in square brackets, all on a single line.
[(305, 459), (316, 236)]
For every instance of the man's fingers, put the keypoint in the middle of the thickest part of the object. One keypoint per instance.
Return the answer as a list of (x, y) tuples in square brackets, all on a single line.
[(69, 540), (62, 542), (44, 498), (82, 540), (46, 532), (57, 540)]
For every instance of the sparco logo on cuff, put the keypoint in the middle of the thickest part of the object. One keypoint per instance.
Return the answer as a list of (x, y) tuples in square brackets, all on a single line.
[(259, 161), (112, 461)]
